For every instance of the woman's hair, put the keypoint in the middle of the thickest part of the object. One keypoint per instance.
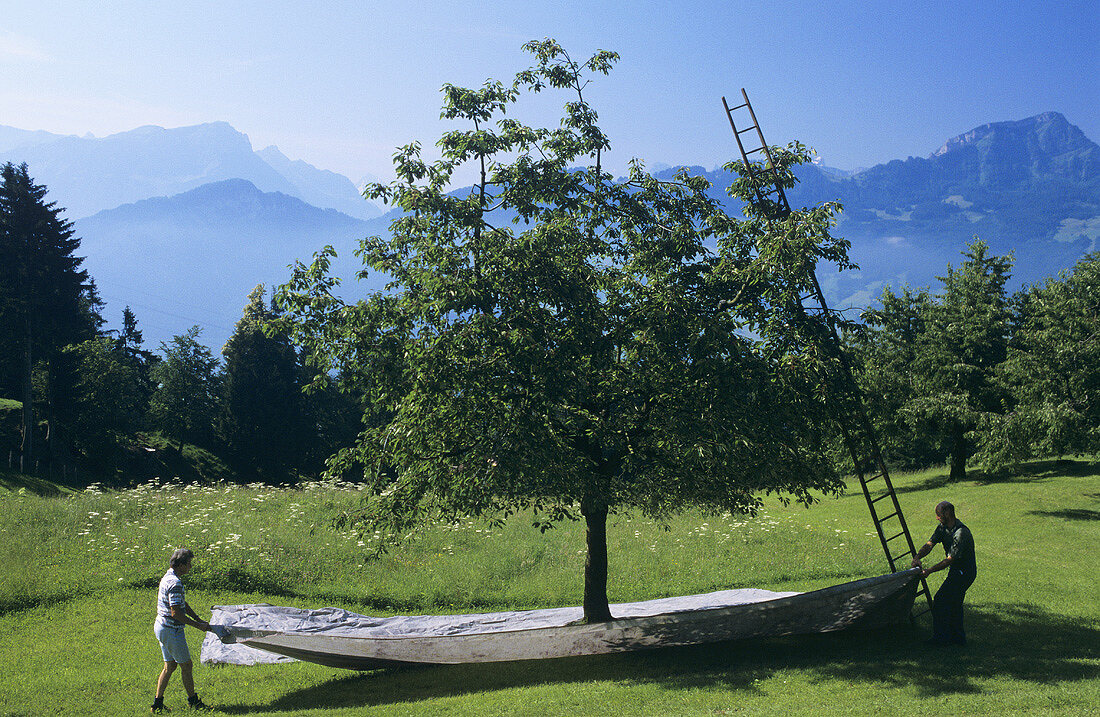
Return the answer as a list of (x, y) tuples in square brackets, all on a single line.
[(182, 556)]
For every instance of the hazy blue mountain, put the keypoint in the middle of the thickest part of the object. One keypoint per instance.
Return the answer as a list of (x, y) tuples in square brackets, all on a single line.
[(88, 174), (12, 138), (320, 187), (193, 257), (1031, 187)]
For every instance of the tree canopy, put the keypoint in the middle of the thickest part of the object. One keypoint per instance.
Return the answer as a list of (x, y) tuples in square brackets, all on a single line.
[(1052, 370), (930, 364), (559, 340), (46, 300), (184, 405), (262, 407)]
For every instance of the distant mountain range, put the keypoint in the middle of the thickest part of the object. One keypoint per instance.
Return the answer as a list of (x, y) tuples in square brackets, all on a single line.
[(180, 224), (88, 174), (191, 258), (1031, 187)]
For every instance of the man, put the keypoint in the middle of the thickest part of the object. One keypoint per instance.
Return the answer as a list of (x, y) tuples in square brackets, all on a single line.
[(173, 613), (958, 546)]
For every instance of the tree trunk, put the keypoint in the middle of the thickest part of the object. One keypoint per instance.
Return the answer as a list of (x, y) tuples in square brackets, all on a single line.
[(958, 454), (27, 448), (595, 566)]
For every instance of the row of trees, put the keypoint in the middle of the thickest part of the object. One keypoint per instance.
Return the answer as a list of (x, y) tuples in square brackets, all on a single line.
[(974, 374), (88, 392)]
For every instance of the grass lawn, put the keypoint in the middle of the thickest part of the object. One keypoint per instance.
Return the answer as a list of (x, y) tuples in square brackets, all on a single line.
[(78, 573)]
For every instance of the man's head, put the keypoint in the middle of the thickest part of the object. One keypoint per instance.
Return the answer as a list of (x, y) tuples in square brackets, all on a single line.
[(181, 559), (945, 513)]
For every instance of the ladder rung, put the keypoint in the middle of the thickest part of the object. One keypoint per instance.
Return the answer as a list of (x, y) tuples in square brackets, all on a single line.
[(884, 495), (895, 536), (747, 129), (883, 520), (754, 150), (744, 104)]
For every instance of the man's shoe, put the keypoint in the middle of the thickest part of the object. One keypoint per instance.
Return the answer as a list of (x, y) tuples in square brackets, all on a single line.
[(158, 706), (197, 704)]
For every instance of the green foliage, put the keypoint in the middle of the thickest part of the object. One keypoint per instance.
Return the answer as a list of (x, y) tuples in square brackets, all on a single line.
[(930, 365), (1053, 370), (46, 300), (887, 353), (184, 404), (11, 420), (565, 342), (261, 418), (108, 400)]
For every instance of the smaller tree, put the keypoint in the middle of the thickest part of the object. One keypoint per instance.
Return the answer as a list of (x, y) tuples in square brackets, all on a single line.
[(108, 402), (885, 355), (184, 404), (129, 345), (261, 417), (1053, 370), (933, 363)]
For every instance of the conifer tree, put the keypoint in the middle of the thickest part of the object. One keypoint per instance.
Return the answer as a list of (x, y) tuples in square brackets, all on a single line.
[(185, 402), (46, 300), (261, 415)]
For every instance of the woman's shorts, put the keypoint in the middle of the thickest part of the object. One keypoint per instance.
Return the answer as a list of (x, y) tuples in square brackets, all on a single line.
[(173, 645)]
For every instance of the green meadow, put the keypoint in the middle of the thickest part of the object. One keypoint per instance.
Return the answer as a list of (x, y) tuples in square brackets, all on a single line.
[(78, 575)]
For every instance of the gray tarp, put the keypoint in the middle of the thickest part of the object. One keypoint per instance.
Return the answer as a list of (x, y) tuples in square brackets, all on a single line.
[(245, 620), (338, 638)]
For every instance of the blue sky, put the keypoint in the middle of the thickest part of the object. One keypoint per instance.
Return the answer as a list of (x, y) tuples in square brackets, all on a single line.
[(341, 84)]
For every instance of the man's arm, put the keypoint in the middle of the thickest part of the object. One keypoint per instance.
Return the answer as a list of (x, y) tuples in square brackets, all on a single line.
[(180, 613), (938, 566), (924, 550)]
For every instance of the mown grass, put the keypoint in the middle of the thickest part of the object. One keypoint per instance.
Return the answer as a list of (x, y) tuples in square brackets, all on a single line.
[(78, 574)]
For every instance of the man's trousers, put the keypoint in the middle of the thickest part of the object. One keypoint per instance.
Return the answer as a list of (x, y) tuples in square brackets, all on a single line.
[(947, 607)]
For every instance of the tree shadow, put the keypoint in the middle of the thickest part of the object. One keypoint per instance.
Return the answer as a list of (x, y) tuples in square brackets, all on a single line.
[(1074, 468), (1030, 472), (1069, 514), (1017, 641), (40, 487)]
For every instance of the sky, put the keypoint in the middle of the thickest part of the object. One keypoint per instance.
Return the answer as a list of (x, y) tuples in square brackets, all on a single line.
[(342, 84)]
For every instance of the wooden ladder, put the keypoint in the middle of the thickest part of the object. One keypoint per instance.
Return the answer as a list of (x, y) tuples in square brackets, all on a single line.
[(851, 413)]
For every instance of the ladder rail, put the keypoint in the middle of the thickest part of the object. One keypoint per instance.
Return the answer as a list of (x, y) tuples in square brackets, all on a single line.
[(850, 398)]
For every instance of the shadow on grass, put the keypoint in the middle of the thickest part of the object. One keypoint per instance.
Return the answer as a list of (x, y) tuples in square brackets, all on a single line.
[(1031, 472), (1069, 514), (1020, 642), (10, 480), (1074, 468)]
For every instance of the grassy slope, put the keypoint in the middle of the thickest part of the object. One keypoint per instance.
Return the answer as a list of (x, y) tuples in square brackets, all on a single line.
[(76, 590)]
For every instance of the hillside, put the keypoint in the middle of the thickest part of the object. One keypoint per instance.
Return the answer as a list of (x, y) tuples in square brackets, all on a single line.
[(86, 175), (193, 257)]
